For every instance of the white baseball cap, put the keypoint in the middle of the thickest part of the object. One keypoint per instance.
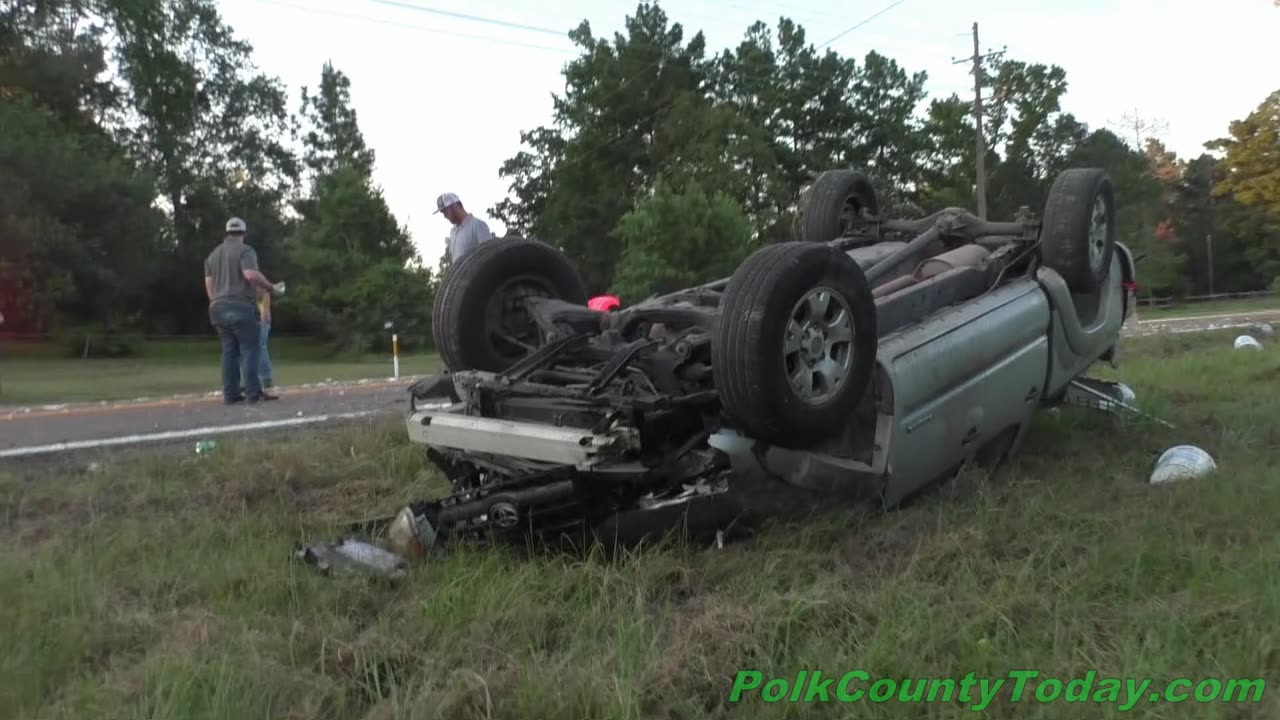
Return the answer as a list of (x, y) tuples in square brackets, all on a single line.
[(445, 200), (235, 225)]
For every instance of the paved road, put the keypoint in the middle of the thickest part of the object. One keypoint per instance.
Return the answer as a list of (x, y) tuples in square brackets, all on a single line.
[(49, 429), (1202, 323), (53, 428)]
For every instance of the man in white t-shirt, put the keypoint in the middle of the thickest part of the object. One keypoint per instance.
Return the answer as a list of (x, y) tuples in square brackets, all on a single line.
[(468, 230)]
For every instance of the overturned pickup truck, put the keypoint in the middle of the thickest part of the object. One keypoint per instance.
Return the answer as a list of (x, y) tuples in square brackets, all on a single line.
[(872, 356)]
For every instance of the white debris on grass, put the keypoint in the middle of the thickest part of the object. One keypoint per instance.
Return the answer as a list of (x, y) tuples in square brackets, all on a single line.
[(1247, 341), (1182, 462), (351, 556), (1125, 394)]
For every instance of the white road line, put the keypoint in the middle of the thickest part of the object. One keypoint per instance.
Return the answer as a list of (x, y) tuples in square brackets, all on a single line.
[(1222, 316), (125, 403), (179, 434)]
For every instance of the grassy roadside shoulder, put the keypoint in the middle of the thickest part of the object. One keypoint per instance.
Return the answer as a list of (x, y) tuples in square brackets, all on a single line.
[(37, 374), (160, 587)]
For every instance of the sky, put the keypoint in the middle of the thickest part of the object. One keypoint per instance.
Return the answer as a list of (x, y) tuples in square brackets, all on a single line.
[(442, 99)]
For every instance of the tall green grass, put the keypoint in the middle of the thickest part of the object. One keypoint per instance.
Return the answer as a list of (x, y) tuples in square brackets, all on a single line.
[(161, 586)]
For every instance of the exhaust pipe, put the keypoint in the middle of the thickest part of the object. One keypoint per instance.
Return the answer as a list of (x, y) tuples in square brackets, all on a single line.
[(498, 502), (963, 256)]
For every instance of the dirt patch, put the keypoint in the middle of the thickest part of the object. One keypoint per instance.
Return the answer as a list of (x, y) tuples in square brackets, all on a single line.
[(712, 638), (471, 695), (683, 583), (872, 556), (180, 635), (187, 632)]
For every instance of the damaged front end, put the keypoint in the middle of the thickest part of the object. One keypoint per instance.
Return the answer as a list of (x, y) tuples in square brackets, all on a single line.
[(612, 414)]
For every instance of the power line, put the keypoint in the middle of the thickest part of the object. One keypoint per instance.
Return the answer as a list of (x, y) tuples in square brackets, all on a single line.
[(860, 23), (473, 18), (408, 26), (817, 18), (617, 93), (612, 95)]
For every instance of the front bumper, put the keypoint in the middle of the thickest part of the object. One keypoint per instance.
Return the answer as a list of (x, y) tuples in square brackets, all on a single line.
[(444, 426)]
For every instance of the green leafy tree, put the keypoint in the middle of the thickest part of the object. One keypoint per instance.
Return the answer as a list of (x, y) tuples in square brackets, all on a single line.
[(1141, 209), (356, 265), (793, 117), (353, 264), (889, 133), (679, 238), (607, 142), (208, 126), (1029, 137), (947, 175), (77, 231), (335, 140), (1252, 158)]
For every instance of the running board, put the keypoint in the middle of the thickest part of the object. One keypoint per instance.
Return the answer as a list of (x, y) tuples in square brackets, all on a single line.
[(577, 447)]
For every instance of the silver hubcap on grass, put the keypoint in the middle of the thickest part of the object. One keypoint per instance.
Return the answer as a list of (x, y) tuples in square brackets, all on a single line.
[(1098, 227), (818, 349)]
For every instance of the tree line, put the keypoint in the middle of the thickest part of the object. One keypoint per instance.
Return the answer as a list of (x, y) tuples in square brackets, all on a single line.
[(131, 129), (660, 155)]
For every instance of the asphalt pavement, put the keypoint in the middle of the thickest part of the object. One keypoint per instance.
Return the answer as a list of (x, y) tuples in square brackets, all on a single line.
[(54, 428)]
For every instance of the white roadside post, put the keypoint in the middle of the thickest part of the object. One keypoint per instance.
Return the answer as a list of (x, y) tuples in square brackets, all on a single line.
[(395, 349)]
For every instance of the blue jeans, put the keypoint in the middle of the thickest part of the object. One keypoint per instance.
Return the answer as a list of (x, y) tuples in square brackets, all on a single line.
[(264, 358), (238, 331)]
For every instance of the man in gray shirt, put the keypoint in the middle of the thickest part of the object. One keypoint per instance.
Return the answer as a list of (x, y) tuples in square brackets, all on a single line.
[(468, 230), (231, 282)]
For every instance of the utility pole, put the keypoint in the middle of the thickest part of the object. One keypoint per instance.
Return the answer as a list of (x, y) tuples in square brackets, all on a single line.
[(980, 145), (1208, 247), (1208, 242)]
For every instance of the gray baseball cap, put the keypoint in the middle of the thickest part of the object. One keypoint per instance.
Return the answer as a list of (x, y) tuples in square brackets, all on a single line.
[(235, 225), (445, 200)]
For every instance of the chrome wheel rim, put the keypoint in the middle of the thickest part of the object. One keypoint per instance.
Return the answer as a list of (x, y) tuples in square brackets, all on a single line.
[(1099, 228), (817, 350)]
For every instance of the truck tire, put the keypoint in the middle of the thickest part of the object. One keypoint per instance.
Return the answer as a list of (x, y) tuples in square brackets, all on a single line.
[(479, 302), (773, 335), (831, 205), (1078, 235)]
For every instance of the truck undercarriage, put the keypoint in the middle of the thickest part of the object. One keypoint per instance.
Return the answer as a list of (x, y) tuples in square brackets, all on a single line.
[(873, 358)]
